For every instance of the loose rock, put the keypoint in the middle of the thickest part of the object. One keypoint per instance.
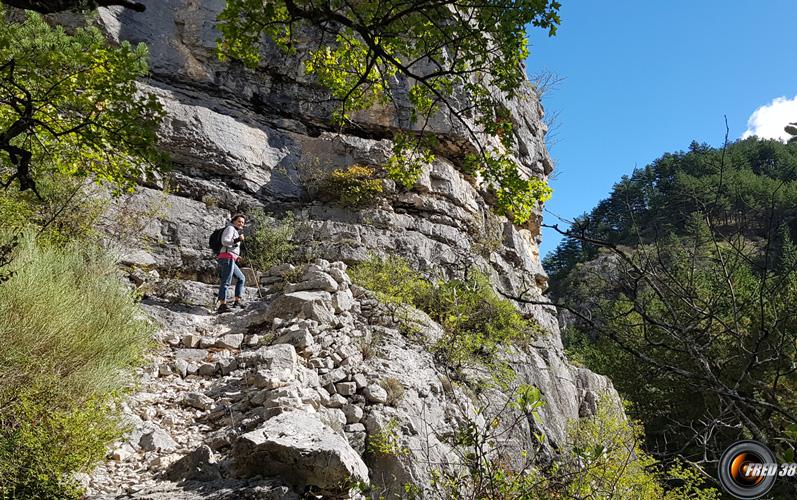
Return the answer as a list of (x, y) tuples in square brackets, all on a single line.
[(299, 447)]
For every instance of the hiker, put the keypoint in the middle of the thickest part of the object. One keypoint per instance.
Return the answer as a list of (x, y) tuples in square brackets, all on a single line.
[(231, 240)]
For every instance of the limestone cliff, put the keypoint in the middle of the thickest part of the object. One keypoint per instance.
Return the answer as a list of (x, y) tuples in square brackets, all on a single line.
[(218, 392)]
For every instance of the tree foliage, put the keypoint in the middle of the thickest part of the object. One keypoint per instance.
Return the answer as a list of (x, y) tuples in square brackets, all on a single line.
[(457, 55), (270, 241), (711, 325), (791, 129), (68, 210), (683, 285), (69, 104), (738, 187)]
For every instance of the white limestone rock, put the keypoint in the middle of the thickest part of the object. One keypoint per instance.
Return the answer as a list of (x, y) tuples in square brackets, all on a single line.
[(299, 447)]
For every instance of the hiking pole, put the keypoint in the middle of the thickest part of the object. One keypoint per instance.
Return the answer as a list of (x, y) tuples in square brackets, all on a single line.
[(250, 273), (255, 276)]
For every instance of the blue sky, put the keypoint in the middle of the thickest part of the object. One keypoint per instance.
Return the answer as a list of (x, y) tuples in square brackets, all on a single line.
[(644, 78)]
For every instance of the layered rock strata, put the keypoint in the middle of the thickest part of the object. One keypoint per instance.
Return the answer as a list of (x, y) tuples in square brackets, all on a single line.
[(239, 139)]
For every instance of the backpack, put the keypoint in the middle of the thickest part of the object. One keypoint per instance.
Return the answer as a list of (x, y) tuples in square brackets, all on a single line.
[(214, 242)]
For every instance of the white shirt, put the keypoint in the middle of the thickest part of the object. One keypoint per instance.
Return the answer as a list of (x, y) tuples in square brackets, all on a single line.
[(228, 238)]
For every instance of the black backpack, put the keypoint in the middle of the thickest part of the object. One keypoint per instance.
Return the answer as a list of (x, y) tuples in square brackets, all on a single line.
[(215, 240)]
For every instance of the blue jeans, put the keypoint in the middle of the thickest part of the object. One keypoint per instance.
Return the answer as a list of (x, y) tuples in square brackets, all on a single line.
[(227, 269)]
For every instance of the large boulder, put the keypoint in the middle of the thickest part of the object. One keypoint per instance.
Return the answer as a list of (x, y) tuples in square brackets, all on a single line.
[(315, 305), (299, 447), (277, 366), (199, 465)]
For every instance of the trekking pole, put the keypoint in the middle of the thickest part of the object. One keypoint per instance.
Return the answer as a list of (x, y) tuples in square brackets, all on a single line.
[(255, 277), (255, 274), (257, 281)]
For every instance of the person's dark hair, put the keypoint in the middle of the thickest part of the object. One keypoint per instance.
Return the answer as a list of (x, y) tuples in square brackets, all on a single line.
[(242, 216)]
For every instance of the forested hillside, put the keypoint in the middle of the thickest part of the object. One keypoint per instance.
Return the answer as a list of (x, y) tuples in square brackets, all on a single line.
[(740, 187), (681, 287)]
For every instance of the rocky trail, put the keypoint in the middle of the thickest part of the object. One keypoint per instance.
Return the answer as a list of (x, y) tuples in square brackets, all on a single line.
[(280, 389)]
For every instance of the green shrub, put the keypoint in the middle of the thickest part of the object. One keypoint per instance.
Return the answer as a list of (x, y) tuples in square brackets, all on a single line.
[(387, 441), (66, 315), (606, 461), (271, 241), (66, 211), (392, 279), (355, 186), (39, 448), (71, 333), (607, 458), (476, 320)]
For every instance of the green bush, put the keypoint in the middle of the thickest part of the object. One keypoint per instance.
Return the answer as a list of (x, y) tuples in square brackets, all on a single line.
[(606, 461), (65, 212), (271, 241), (355, 186), (392, 279), (476, 320), (387, 441), (39, 448), (70, 333)]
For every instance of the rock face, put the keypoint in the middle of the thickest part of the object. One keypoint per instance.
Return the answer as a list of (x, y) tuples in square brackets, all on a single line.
[(240, 138), (225, 389)]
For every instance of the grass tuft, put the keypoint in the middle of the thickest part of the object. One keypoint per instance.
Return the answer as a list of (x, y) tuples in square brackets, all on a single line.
[(71, 334)]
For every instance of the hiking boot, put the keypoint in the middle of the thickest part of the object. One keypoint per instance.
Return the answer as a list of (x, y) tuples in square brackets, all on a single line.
[(238, 304), (223, 308)]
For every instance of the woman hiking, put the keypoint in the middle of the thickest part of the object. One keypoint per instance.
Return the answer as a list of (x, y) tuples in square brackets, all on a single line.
[(230, 253)]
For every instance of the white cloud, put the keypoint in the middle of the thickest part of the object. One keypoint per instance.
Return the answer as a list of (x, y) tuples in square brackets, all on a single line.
[(767, 122)]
